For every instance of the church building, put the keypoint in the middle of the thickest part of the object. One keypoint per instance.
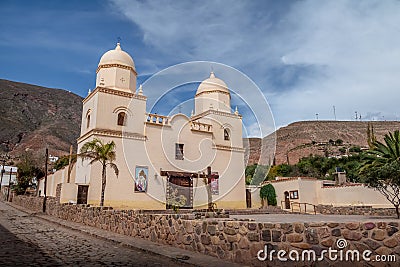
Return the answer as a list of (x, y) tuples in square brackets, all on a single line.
[(163, 161)]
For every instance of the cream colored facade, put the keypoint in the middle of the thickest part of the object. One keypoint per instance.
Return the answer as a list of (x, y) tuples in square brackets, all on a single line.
[(116, 111), (314, 191), (68, 190)]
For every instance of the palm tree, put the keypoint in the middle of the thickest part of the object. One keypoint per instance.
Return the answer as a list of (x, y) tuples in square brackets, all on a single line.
[(386, 152), (96, 150), (381, 168)]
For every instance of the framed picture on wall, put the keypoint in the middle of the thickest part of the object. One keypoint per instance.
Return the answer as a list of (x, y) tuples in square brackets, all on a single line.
[(141, 178)]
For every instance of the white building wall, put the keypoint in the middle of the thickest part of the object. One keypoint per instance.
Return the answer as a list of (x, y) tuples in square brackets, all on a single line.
[(311, 191), (358, 195)]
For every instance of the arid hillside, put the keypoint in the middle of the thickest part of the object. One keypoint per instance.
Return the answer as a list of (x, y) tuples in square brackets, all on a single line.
[(33, 117), (303, 138)]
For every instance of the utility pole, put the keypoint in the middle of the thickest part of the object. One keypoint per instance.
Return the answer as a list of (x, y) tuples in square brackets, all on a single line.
[(2, 173), (45, 180), (9, 186)]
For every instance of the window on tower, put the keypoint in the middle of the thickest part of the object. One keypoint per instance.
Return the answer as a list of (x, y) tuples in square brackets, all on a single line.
[(179, 151), (88, 121), (121, 119), (226, 135)]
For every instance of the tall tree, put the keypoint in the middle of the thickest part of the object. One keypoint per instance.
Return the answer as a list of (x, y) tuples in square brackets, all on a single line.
[(28, 168), (381, 170), (97, 151)]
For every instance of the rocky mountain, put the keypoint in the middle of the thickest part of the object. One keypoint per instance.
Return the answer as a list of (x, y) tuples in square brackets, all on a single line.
[(300, 139), (33, 117)]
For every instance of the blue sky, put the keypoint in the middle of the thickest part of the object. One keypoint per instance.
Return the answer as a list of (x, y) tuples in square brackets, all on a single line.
[(306, 56)]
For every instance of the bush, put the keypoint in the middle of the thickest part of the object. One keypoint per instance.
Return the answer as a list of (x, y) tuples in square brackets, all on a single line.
[(64, 161), (268, 192), (355, 149), (339, 142)]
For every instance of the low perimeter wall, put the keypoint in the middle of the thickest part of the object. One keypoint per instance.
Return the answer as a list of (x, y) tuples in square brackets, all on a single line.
[(355, 210), (238, 241)]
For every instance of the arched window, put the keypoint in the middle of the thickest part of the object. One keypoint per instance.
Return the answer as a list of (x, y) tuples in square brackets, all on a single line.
[(121, 118), (88, 120), (226, 135)]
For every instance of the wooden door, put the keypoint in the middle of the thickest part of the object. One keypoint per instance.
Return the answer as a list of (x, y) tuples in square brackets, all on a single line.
[(179, 192), (287, 200), (248, 198), (82, 194)]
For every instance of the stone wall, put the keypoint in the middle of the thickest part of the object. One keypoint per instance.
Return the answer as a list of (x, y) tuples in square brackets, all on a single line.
[(356, 210), (36, 203), (238, 241)]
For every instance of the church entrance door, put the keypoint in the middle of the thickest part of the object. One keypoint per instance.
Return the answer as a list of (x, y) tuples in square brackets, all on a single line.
[(179, 192)]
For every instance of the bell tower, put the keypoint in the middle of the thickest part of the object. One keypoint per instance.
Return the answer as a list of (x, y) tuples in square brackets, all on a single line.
[(116, 70), (113, 111)]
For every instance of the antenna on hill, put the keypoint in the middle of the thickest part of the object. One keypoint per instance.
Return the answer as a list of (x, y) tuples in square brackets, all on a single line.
[(334, 112), (118, 39)]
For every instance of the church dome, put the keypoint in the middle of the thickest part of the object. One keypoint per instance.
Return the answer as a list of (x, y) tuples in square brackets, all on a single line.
[(117, 56), (212, 84)]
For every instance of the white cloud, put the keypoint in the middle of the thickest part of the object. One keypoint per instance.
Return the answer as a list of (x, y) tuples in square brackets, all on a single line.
[(357, 45), (306, 56)]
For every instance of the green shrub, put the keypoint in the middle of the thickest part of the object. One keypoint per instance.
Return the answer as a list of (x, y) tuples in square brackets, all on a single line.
[(268, 192), (355, 149)]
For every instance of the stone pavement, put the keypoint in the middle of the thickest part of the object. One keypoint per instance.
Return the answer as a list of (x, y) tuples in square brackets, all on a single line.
[(34, 239)]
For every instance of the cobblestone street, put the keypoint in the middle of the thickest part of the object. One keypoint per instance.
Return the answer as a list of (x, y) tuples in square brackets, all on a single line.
[(29, 241)]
